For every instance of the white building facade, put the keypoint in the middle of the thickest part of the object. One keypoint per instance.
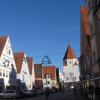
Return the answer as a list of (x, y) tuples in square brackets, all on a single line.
[(49, 77), (71, 66), (7, 64), (24, 73)]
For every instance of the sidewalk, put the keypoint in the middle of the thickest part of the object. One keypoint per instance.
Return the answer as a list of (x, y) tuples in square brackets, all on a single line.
[(66, 95), (59, 96)]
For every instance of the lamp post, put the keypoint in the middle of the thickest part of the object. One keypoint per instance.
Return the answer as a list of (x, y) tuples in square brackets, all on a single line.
[(46, 60)]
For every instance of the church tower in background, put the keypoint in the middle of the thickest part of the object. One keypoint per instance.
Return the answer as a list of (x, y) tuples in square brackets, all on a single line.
[(70, 66)]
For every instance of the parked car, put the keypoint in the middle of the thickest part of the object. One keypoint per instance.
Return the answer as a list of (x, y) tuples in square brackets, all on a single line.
[(1, 93), (10, 94)]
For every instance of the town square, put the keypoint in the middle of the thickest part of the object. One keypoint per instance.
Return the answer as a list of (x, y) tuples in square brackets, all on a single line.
[(49, 49)]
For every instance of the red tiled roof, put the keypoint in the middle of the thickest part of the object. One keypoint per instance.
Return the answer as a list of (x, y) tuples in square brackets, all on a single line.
[(85, 19), (18, 60), (30, 64), (3, 40), (69, 53), (50, 70)]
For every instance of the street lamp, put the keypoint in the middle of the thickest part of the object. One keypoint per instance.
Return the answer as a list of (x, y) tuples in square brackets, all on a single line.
[(46, 60)]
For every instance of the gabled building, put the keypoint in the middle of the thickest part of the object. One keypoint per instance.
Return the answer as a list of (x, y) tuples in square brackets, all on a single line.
[(94, 21), (86, 57), (50, 77), (38, 76), (71, 66), (7, 64), (24, 70)]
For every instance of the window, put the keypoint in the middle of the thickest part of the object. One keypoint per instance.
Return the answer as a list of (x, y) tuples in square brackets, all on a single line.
[(65, 63), (44, 76), (10, 75), (0, 72), (9, 52), (23, 77), (7, 73), (12, 65), (48, 76), (4, 73), (48, 82), (67, 78)]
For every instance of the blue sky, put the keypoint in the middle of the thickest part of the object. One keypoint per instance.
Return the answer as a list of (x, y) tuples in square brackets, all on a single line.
[(42, 27)]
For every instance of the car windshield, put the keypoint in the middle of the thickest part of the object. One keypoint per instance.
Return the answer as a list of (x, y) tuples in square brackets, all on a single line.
[(10, 91)]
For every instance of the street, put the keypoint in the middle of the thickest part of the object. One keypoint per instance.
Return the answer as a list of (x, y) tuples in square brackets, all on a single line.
[(56, 96)]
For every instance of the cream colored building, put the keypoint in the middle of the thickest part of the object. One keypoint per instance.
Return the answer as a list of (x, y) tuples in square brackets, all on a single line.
[(71, 66), (24, 67), (7, 64)]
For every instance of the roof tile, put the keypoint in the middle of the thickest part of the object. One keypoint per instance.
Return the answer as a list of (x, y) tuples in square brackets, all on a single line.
[(18, 60), (51, 70), (85, 19), (69, 53), (3, 40)]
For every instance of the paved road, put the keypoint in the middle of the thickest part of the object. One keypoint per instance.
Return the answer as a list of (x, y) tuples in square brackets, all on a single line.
[(57, 96)]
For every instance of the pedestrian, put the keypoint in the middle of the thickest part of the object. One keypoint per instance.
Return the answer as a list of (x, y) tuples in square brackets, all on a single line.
[(47, 93), (75, 90)]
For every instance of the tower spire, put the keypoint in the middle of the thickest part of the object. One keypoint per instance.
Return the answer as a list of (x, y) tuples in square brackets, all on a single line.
[(69, 53)]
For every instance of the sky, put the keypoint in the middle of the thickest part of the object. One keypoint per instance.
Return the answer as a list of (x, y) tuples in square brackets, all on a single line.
[(42, 27)]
